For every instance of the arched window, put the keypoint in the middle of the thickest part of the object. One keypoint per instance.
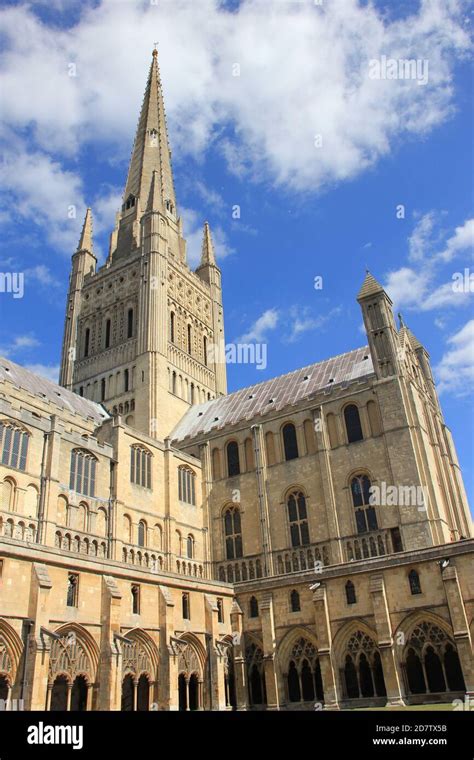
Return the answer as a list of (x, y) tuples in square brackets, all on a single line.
[(142, 533), (140, 466), (135, 594), (353, 426), (102, 389), (414, 581), (83, 471), (290, 444), (204, 349), (13, 445), (253, 607), (87, 339), (189, 339), (186, 485), (108, 325), (295, 601), (350, 593), (72, 589), (185, 606), (298, 518), (172, 327), (233, 461), (366, 518), (126, 380), (130, 323), (190, 547), (232, 533), (101, 522)]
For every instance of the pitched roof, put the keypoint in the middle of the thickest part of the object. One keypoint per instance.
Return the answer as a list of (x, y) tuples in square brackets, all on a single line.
[(370, 286), (275, 394), (46, 389)]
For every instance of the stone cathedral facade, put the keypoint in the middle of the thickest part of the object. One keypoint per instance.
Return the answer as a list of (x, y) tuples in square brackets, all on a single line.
[(304, 543)]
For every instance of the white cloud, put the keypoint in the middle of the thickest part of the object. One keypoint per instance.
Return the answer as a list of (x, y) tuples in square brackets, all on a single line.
[(19, 344), (406, 287), (462, 240), (443, 296), (303, 70), (193, 227), (43, 275), (421, 236), (257, 333), (303, 322), (50, 372), (455, 371)]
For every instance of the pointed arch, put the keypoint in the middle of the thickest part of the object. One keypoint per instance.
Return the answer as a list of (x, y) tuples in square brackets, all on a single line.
[(79, 657), (11, 648), (141, 656)]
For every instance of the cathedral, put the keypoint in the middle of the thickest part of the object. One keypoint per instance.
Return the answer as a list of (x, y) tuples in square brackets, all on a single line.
[(301, 544)]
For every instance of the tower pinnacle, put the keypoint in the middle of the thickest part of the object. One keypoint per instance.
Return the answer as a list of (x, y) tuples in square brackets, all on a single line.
[(85, 241), (151, 151)]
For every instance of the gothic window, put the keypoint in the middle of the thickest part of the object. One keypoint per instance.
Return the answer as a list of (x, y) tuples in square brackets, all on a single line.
[(140, 466), (233, 461), (130, 323), (414, 581), (298, 519), (142, 533), (362, 672), (304, 673), (189, 340), (13, 445), (290, 443), (126, 380), (204, 349), (72, 589), (190, 547), (233, 533), (366, 518), (130, 202), (295, 603), (350, 593), (428, 649), (107, 333), (87, 338), (186, 485), (135, 592), (185, 606), (102, 389), (353, 426), (220, 611), (173, 382), (253, 607), (82, 474), (172, 318)]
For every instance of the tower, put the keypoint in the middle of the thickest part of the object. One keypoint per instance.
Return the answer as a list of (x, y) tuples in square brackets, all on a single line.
[(380, 326), (139, 330)]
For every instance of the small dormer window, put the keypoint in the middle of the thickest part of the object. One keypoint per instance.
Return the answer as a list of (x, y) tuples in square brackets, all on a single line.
[(153, 138)]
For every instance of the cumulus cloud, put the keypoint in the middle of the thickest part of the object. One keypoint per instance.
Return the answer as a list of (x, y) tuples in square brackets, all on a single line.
[(90, 71), (257, 333), (19, 344), (462, 240), (50, 372), (455, 371), (304, 321)]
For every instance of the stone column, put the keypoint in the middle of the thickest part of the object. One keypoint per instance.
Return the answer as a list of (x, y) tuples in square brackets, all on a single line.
[(326, 660), (260, 470), (216, 654), (269, 649), (37, 665), (240, 671), (168, 697), (110, 663), (323, 457), (462, 637), (392, 675)]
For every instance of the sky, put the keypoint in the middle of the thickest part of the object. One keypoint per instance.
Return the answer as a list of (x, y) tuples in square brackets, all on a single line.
[(295, 131)]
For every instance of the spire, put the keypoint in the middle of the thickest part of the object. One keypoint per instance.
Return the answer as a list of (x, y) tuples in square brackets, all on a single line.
[(370, 286), (154, 197), (151, 152), (207, 250), (85, 241)]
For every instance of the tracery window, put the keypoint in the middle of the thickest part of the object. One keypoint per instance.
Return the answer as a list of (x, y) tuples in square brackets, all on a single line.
[(187, 485), (233, 533), (140, 466), (366, 518), (83, 472), (298, 518), (13, 445)]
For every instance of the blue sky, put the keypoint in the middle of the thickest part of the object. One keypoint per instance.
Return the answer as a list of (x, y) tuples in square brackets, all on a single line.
[(306, 209)]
